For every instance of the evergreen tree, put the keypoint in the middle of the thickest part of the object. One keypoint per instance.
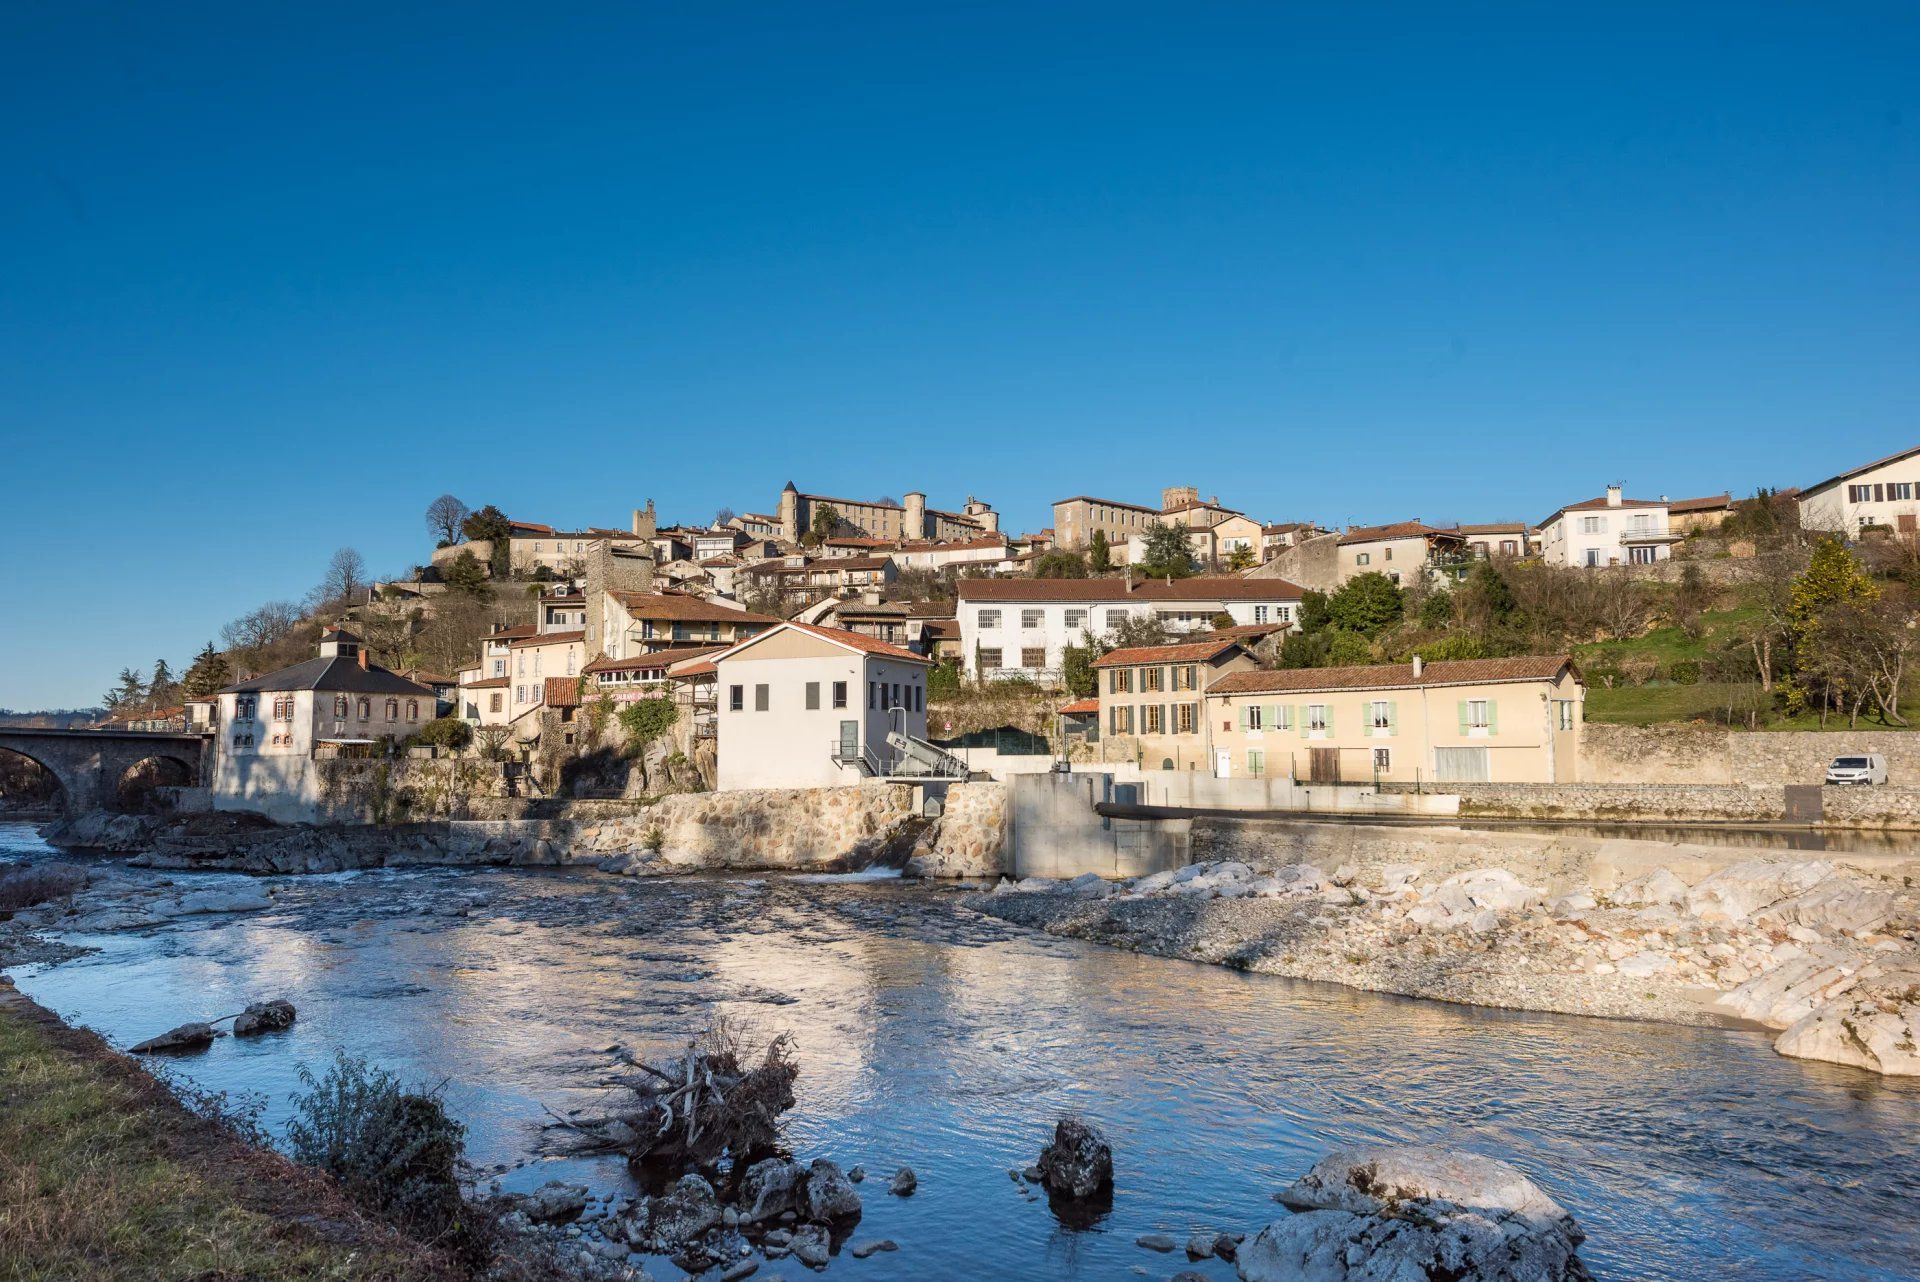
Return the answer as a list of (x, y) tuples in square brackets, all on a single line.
[(127, 692), (207, 673), (162, 688), (1099, 555), (1834, 584), (1367, 604), (491, 524), (1167, 553)]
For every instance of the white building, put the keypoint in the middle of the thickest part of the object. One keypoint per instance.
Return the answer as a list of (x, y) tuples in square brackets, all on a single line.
[(801, 706), (275, 727), (1022, 627), (1608, 531), (1874, 494)]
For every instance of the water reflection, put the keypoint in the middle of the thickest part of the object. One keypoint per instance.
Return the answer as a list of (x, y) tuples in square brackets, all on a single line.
[(951, 1042)]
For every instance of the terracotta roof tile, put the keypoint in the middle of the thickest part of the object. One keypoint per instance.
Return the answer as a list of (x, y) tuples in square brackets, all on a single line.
[(1389, 676), (1711, 503), (562, 692), (1210, 587), (1080, 707), (676, 607), (1397, 530), (1185, 652), (546, 638)]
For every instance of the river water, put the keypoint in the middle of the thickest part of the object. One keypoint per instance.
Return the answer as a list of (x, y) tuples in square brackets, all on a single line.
[(949, 1042)]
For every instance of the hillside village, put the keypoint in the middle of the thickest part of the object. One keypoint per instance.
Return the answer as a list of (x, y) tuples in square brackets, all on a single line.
[(829, 640)]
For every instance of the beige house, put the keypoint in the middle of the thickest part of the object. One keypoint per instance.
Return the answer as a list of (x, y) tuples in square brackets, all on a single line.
[(1684, 516), (1465, 721), (1882, 493), (1500, 540), (1152, 700), (1403, 551), (1076, 519), (533, 659), (637, 622), (1609, 530)]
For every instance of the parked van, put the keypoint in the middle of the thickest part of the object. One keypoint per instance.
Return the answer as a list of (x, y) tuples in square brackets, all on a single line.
[(1866, 767)]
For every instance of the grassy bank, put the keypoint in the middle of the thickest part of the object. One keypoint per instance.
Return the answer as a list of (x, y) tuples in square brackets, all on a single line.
[(104, 1174)]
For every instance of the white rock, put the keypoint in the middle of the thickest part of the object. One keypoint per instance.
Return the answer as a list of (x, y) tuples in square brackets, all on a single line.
[(1837, 904), (1153, 882), (1641, 965), (1657, 887), (1877, 1033), (1575, 905), (1494, 888), (248, 900), (1792, 990), (1395, 876), (1738, 892)]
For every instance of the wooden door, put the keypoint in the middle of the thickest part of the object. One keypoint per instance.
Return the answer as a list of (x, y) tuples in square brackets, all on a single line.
[(1323, 765)]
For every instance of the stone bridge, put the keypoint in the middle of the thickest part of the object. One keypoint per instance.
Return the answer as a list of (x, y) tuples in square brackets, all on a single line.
[(90, 763)]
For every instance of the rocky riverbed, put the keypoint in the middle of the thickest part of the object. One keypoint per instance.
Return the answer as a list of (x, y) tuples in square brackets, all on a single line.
[(1827, 955)]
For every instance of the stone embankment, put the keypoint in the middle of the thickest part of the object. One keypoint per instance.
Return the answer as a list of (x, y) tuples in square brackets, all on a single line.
[(812, 829), (1824, 953)]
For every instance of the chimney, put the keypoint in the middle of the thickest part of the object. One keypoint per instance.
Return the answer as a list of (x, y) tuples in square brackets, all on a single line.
[(1613, 495), (363, 658), (1419, 666)]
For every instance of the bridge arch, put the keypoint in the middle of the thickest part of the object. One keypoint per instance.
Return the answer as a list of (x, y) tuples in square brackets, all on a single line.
[(28, 783), (89, 764)]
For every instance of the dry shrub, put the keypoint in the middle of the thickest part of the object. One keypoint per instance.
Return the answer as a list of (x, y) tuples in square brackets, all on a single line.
[(25, 887)]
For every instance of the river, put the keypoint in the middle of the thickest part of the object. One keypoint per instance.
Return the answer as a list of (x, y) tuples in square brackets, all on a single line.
[(949, 1042)]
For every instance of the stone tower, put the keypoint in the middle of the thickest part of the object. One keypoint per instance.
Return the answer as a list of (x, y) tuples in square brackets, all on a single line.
[(915, 524), (983, 513), (790, 527), (1175, 495)]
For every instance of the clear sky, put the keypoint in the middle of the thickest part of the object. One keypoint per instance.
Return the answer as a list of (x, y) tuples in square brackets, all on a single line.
[(277, 275)]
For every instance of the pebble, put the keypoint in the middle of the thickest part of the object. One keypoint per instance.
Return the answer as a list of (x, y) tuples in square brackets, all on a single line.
[(865, 1249), (741, 1269)]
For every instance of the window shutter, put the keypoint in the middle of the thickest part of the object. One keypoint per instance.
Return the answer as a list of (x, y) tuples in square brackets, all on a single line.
[(1393, 718), (1245, 717), (1273, 716), (1493, 716), (1329, 718), (1463, 717), (1300, 719)]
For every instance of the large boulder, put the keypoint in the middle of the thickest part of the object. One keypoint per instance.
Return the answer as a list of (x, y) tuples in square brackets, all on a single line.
[(1838, 904), (770, 1188), (1736, 893), (1079, 1161), (554, 1203), (246, 899), (1876, 1027), (1657, 887), (1794, 989), (264, 1017), (683, 1212), (1495, 888), (828, 1195), (1410, 1213), (187, 1037)]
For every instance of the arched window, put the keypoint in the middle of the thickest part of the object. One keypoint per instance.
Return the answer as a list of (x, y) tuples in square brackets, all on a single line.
[(413, 709), (393, 709), (340, 706), (366, 709)]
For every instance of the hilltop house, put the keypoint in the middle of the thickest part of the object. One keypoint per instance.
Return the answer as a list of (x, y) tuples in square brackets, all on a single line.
[(1610, 530), (1403, 551), (1462, 721), (276, 728), (884, 518), (1880, 494)]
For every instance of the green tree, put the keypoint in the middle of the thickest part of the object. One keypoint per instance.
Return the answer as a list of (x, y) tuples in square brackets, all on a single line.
[(645, 720), (1313, 612), (1367, 604), (465, 574), (1834, 583), (162, 688), (1076, 667), (943, 680), (1099, 554), (1347, 649), (207, 673), (1060, 565), (826, 520), (491, 524), (447, 732), (1167, 553), (128, 692), (1241, 558), (1437, 610)]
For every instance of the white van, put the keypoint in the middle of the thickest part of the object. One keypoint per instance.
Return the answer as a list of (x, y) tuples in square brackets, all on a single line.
[(1865, 767)]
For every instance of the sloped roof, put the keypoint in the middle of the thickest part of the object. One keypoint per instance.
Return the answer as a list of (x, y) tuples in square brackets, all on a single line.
[(546, 638), (1864, 467), (676, 607), (562, 692), (1711, 503), (332, 674), (1397, 530), (1185, 652), (1080, 708), (1205, 587), (839, 636), (1600, 505), (1389, 676), (1088, 498), (657, 659)]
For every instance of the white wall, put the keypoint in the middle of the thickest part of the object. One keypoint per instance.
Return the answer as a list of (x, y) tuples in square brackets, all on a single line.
[(1566, 540), (1057, 629), (791, 746), (1834, 507)]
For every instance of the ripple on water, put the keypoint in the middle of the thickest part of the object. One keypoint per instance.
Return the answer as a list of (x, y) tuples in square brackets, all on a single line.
[(949, 1042)]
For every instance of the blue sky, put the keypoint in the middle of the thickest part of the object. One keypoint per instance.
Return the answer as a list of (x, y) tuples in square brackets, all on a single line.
[(275, 276)]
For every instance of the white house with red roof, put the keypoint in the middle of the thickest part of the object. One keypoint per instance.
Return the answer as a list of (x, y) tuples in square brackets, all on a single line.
[(801, 706), (1609, 530)]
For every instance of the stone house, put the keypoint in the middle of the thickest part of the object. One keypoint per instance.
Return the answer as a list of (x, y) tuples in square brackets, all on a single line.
[(1152, 699), (885, 519), (638, 622), (1685, 516), (279, 729), (1403, 551), (1076, 519), (1465, 721), (1507, 540)]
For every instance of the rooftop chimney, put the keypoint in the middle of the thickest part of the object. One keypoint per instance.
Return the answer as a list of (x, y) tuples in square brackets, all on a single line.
[(363, 657), (1613, 495), (1419, 666)]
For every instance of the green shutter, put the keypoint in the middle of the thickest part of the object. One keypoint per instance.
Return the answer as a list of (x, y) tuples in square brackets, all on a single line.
[(1245, 718), (1463, 717), (1329, 721), (1493, 716), (1300, 719), (1393, 718), (1273, 716)]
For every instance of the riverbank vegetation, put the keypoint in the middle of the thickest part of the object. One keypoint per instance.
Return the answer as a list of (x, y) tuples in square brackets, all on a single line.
[(109, 1176)]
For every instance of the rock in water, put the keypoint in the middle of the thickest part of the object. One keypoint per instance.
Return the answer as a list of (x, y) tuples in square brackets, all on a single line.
[(1878, 1031), (1079, 1162), (811, 1246), (554, 1202), (904, 1182), (828, 1195), (1385, 1213), (264, 1017), (187, 1037), (769, 1189), (685, 1211)]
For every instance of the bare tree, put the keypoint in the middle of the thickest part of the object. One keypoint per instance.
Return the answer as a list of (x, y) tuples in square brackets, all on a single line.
[(444, 517), (261, 627), (346, 577), (1624, 607), (723, 516)]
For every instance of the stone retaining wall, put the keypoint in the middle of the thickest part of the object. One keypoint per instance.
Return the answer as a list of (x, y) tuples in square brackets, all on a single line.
[(1700, 754), (971, 838), (1622, 801)]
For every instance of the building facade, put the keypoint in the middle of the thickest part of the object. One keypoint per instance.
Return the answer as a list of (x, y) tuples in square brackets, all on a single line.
[(1610, 530), (1467, 721), (1403, 551), (800, 706), (1880, 494), (883, 518), (1152, 699)]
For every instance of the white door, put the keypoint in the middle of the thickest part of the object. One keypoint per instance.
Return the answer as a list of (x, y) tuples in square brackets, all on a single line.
[(1460, 765), (1223, 764)]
